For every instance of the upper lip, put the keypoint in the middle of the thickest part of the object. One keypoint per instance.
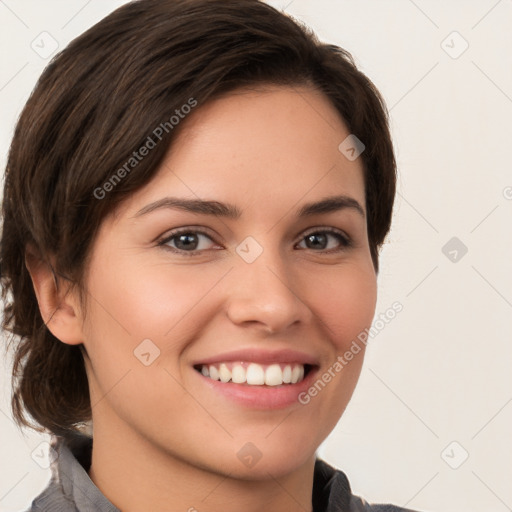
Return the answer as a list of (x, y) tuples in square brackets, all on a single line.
[(257, 355)]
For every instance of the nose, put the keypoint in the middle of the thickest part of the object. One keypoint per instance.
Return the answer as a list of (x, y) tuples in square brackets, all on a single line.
[(265, 293)]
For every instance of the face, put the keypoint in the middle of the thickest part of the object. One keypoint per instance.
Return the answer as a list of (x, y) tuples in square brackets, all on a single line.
[(179, 295)]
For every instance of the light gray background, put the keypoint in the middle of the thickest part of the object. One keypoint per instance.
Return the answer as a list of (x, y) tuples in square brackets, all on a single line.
[(439, 372)]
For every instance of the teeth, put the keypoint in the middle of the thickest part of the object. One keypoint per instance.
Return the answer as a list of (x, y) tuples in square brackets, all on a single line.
[(214, 373), (238, 374), (274, 375), (255, 374), (297, 374), (224, 373)]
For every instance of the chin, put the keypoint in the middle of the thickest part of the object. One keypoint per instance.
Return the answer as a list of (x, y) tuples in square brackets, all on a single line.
[(275, 456), (268, 466)]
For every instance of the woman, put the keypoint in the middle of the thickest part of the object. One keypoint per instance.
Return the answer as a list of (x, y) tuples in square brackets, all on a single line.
[(195, 198)]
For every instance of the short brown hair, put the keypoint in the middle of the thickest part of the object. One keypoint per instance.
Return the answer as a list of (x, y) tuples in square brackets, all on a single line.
[(96, 102)]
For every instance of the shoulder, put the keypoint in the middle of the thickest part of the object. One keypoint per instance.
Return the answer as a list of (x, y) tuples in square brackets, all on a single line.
[(358, 504), (70, 489), (52, 498), (332, 493)]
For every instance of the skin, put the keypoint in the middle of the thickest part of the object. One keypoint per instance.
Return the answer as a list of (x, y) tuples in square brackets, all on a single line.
[(160, 435)]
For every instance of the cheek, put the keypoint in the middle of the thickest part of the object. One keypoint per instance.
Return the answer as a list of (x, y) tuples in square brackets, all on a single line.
[(345, 302), (149, 301), (130, 304), (134, 303)]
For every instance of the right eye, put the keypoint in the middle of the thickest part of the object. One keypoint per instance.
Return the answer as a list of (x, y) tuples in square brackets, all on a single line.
[(185, 241)]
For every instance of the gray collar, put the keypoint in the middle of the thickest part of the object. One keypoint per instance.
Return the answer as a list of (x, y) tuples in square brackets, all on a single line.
[(71, 477)]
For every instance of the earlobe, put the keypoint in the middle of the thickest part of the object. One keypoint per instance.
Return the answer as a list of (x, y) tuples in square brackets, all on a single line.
[(57, 304)]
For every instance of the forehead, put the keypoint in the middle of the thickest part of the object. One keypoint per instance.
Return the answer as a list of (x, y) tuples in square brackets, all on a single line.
[(267, 147)]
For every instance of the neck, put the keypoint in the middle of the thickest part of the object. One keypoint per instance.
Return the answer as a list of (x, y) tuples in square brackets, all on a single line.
[(136, 475)]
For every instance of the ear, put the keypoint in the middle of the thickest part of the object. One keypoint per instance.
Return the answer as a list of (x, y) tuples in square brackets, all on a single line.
[(57, 304)]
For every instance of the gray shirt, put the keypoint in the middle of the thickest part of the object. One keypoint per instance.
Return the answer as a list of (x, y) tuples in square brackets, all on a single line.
[(70, 488)]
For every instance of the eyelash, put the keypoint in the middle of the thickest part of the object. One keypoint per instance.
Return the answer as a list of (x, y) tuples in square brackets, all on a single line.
[(345, 241)]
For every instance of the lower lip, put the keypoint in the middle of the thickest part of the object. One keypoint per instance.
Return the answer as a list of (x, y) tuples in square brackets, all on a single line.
[(261, 397)]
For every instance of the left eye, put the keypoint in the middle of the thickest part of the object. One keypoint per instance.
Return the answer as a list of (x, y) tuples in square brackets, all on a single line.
[(186, 242), (316, 238)]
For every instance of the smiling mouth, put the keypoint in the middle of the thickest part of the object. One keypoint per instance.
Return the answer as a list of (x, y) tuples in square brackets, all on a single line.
[(254, 374)]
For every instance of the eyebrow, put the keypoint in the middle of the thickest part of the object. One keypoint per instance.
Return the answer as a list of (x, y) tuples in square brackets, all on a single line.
[(226, 210)]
